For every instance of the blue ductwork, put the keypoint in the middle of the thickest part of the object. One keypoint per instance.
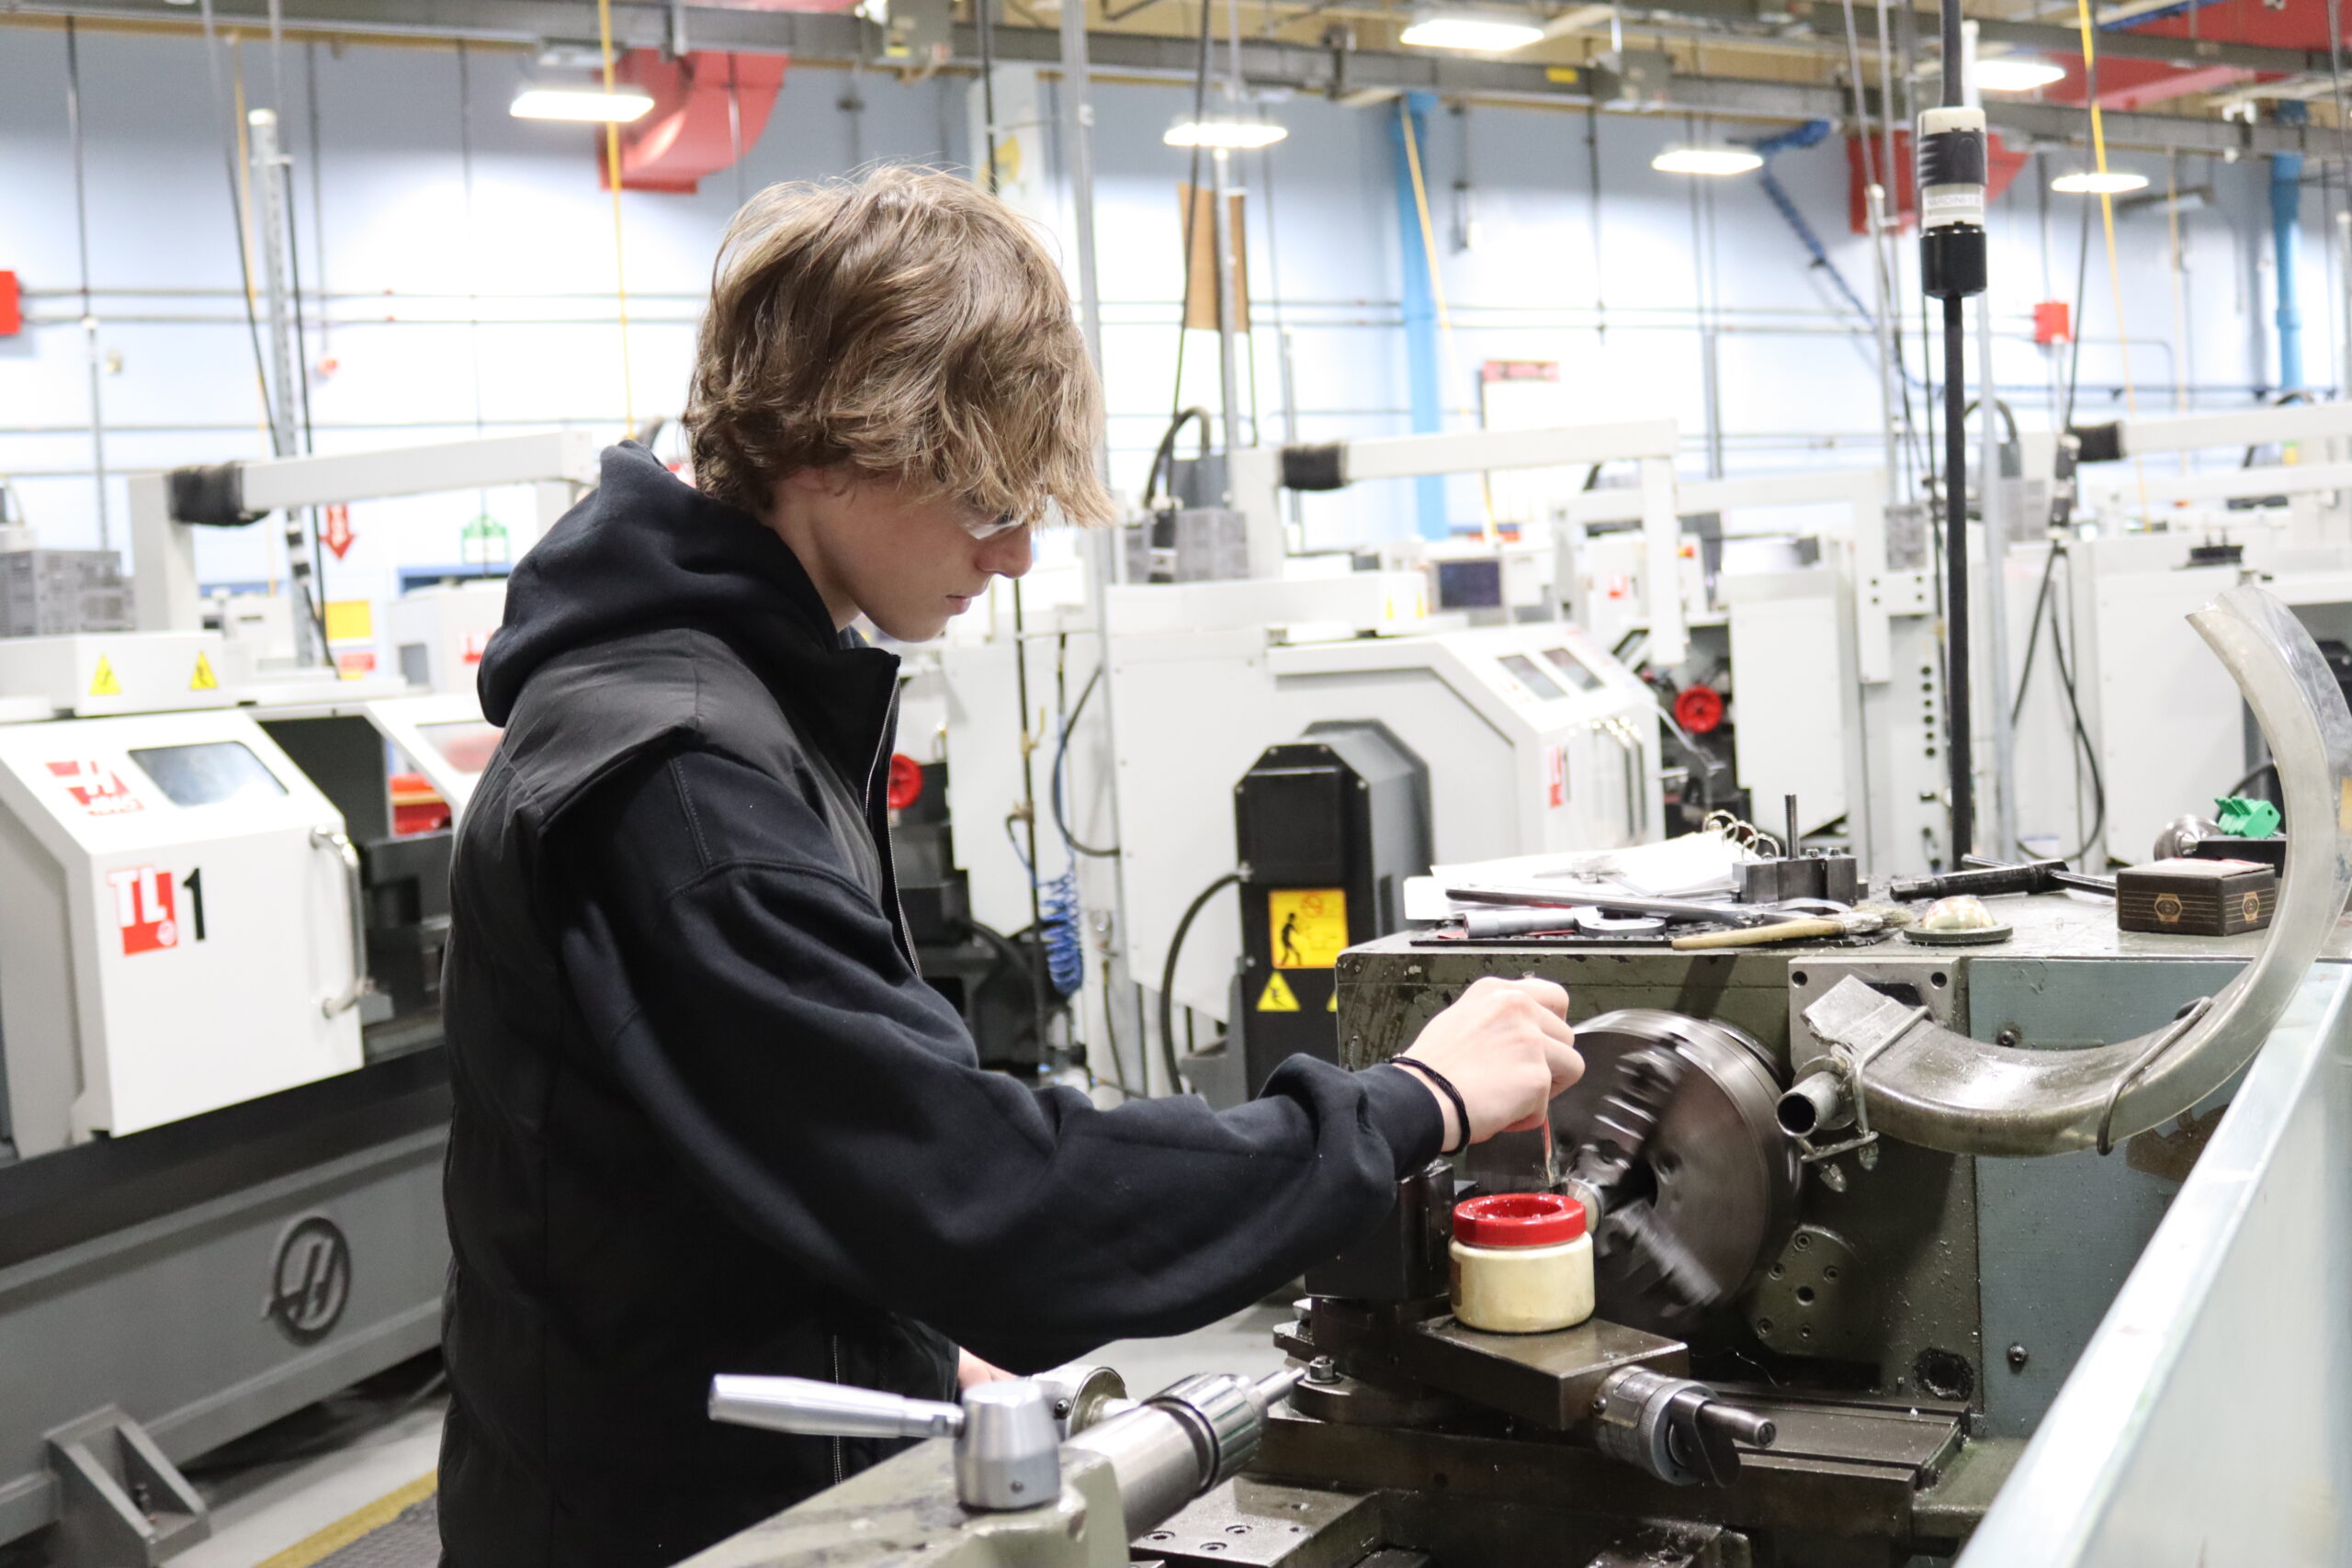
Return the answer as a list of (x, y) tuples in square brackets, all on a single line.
[(2286, 226), (1810, 134), (1420, 299)]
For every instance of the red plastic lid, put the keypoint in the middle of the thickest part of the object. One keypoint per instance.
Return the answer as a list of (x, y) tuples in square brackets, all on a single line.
[(1518, 1219), (906, 780)]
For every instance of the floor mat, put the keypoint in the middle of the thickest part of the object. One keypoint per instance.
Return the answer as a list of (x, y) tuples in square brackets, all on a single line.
[(401, 1530)]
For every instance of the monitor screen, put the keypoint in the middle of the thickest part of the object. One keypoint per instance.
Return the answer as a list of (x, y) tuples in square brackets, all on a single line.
[(1530, 676), (208, 773), (1581, 677)]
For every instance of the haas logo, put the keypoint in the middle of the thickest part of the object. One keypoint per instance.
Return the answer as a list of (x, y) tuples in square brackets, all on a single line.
[(311, 1280)]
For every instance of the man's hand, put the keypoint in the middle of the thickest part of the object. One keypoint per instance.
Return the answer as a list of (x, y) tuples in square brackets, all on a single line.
[(1506, 1046), (971, 1370)]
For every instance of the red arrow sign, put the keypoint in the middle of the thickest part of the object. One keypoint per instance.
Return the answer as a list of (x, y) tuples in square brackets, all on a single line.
[(339, 537)]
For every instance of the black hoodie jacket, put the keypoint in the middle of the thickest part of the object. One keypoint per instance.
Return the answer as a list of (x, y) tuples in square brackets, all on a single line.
[(708, 1117)]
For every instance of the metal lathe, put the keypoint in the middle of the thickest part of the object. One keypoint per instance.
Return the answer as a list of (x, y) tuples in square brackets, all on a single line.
[(1902, 1252)]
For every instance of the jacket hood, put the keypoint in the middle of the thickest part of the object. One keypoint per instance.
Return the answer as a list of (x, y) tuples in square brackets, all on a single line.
[(645, 551)]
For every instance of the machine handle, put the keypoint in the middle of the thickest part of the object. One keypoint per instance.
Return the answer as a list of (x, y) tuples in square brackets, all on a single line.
[(355, 895), (828, 1410)]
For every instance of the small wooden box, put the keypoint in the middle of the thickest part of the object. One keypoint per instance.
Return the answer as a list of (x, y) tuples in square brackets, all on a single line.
[(2196, 897)]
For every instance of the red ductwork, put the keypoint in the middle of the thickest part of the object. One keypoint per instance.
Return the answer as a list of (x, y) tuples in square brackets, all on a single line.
[(2290, 24), (1903, 199), (2127, 83), (709, 108)]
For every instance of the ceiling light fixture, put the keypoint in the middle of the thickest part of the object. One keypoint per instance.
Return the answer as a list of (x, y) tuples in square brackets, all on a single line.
[(2115, 181), (1475, 31), (1226, 135), (591, 104), (2014, 75), (1706, 160)]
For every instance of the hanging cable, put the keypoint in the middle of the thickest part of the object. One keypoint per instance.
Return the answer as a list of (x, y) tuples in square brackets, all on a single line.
[(986, 25), (89, 313), (1061, 762), (318, 197), (2080, 740), (1163, 456), (236, 205), (284, 173), (613, 175), (1191, 205), (1167, 976)]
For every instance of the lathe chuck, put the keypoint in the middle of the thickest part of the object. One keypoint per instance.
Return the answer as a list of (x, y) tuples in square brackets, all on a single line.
[(1712, 1189)]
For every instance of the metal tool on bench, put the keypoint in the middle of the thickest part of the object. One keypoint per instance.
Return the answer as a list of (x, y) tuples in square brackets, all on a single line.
[(1792, 874), (1987, 878), (1531, 911), (1849, 922)]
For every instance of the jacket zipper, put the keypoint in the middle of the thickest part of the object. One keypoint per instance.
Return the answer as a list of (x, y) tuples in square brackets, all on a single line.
[(840, 1469), (890, 876)]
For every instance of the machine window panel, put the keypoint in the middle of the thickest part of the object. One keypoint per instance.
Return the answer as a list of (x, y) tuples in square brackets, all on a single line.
[(208, 773), (1582, 679), (465, 744), (1532, 676)]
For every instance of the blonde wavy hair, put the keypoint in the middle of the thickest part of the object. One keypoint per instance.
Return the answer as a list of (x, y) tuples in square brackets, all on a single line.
[(904, 323)]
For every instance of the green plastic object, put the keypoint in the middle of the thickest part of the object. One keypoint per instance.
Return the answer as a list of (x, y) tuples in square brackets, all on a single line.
[(2241, 817)]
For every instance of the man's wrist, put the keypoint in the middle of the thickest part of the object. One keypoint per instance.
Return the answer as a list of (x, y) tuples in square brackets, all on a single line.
[(1456, 1125), (1447, 1118)]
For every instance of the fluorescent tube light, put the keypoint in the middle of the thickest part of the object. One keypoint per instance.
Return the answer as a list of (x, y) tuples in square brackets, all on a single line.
[(1479, 32), (1706, 160), (2115, 181), (2014, 75), (593, 105), (1233, 135)]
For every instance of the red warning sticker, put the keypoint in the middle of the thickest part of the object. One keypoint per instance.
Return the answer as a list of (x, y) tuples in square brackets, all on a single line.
[(1555, 775), (97, 788), (145, 908)]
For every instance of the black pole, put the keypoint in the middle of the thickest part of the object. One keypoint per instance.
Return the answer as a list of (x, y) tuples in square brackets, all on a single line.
[(1956, 695), (1955, 92), (1950, 162)]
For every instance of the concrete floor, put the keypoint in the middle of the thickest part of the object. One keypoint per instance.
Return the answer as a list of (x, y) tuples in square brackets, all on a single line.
[(260, 1513), (263, 1512)]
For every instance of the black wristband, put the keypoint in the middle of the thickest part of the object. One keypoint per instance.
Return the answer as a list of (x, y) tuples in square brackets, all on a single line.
[(1444, 1086)]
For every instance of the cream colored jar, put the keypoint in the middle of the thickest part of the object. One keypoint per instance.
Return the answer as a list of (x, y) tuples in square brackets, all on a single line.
[(1522, 1263)]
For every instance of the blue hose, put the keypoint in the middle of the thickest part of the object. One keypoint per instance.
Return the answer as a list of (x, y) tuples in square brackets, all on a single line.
[(1058, 916)]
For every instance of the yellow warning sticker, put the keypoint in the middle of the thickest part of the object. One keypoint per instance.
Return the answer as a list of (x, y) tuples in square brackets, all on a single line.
[(1333, 1005), (204, 680), (1277, 997), (350, 620), (103, 683), (1307, 926)]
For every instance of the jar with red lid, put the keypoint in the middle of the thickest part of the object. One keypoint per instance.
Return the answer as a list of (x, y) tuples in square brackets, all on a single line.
[(1522, 1263)]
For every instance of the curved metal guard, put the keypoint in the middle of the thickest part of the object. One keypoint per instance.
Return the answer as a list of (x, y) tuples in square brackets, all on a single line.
[(1926, 1085)]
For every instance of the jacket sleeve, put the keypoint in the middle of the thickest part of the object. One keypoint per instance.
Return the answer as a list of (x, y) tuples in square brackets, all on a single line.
[(750, 995)]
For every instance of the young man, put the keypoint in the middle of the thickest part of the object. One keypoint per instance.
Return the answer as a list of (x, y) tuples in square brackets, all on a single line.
[(709, 1116)]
